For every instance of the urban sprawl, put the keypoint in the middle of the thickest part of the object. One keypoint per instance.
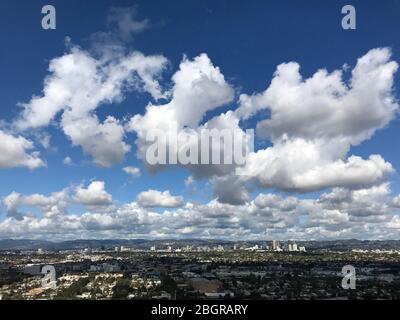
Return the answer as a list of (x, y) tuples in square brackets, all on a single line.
[(269, 270)]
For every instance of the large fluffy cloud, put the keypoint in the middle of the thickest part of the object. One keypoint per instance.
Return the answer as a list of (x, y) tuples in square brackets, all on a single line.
[(314, 123), (312, 126), (15, 152), (103, 141), (325, 105), (198, 87), (79, 83), (305, 166)]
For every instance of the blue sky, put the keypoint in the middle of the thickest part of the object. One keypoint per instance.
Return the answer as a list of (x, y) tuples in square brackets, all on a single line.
[(247, 40)]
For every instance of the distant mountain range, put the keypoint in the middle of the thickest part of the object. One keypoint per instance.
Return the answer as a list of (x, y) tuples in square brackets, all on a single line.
[(336, 245)]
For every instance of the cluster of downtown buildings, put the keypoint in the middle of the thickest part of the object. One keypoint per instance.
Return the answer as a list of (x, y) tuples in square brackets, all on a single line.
[(273, 245)]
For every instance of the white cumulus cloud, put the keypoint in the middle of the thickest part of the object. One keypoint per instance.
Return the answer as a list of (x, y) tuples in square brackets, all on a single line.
[(314, 123), (155, 198), (132, 171), (16, 151), (94, 195), (78, 84)]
